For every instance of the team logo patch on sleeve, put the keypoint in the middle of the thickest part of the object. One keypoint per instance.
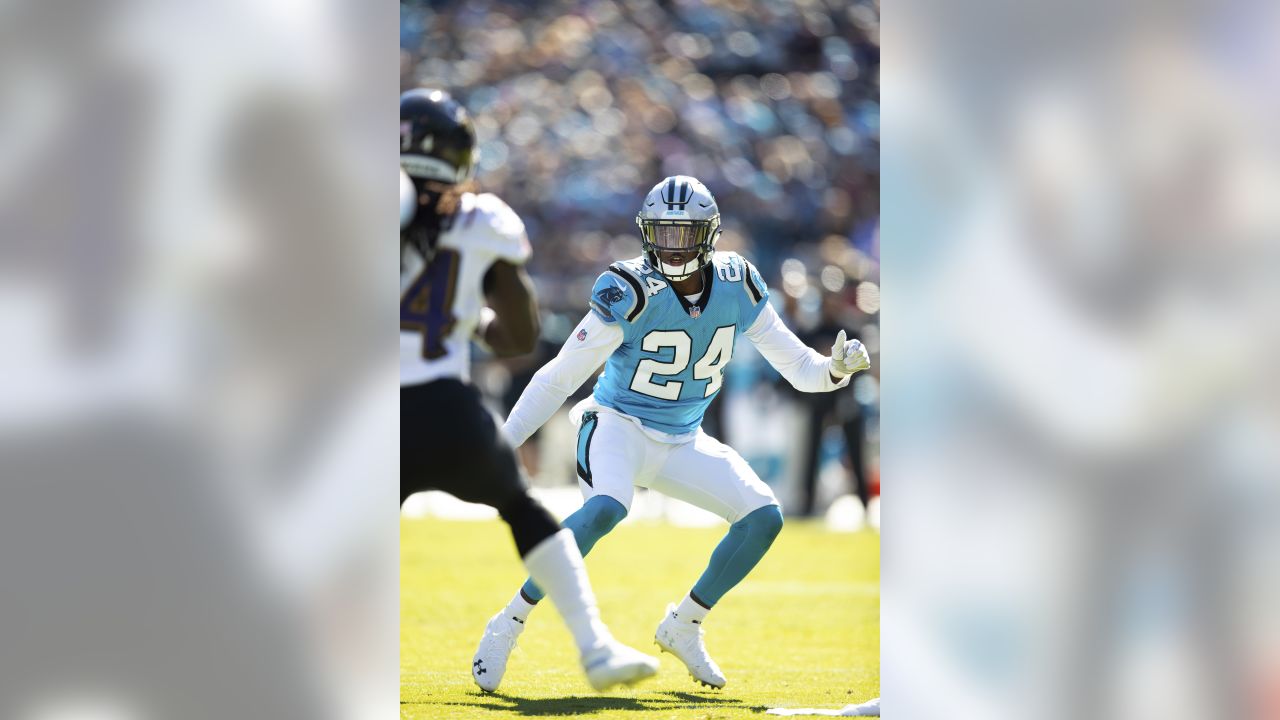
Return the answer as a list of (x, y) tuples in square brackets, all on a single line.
[(610, 295)]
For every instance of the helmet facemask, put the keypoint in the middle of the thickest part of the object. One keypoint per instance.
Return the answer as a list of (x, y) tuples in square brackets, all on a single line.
[(694, 239)]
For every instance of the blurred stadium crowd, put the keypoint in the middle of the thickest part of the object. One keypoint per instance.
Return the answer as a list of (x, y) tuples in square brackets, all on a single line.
[(582, 105)]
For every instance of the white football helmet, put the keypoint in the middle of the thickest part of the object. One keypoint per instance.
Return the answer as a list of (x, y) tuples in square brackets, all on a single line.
[(679, 215)]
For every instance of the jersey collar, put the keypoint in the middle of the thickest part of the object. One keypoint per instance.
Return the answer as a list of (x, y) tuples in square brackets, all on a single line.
[(707, 283)]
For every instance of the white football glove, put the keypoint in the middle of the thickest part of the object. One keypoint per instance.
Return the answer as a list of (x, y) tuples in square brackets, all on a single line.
[(487, 316), (408, 200), (848, 357)]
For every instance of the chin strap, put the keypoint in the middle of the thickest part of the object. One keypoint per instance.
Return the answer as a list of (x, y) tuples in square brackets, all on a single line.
[(700, 259)]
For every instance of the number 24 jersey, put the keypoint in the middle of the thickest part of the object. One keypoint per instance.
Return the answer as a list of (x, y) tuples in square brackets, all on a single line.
[(673, 354)]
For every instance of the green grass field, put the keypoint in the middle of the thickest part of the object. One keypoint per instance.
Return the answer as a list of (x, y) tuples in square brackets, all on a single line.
[(802, 630)]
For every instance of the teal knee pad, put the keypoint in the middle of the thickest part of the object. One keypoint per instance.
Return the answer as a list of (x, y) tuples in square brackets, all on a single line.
[(764, 523), (589, 523), (594, 520)]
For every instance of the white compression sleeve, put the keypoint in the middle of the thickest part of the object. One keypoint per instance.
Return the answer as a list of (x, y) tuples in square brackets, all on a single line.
[(557, 380), (805, 368)]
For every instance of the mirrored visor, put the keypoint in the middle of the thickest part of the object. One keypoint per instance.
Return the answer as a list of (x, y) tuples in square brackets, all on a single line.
[(676, 237)]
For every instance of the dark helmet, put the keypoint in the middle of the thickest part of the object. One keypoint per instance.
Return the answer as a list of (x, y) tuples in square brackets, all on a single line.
[(437, 140)]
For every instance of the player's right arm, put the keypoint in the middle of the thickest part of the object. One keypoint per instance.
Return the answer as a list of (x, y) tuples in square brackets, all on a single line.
[(588, 347), (591, 343)]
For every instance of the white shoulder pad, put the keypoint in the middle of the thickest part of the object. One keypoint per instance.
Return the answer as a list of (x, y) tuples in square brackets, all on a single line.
[(491, 224)]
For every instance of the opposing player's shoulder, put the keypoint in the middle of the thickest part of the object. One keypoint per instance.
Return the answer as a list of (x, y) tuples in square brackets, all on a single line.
[(731, 267), (490, 222), (494, 213), (621, 292)]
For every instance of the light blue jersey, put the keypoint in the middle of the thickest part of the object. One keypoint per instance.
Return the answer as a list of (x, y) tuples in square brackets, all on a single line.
[(673, 354)]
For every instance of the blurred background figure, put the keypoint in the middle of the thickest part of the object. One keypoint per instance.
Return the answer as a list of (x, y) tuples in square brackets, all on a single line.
[(844, 413), (581, 106)]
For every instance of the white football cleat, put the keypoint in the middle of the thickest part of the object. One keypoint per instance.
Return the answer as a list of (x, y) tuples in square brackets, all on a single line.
[(684, 640), (499, 639), (615, 664)]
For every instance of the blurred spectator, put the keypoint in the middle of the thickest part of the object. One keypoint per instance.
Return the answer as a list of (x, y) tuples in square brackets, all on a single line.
[(581, 106), (840, 409)]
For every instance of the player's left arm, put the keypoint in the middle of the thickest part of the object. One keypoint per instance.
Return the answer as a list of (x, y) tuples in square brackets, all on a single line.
[(512, 327), (509, 324), (806, 369), (848, 357)]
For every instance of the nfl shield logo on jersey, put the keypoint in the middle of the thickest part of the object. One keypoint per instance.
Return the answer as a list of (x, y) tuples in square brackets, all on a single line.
[(695, 311), (582, 334)]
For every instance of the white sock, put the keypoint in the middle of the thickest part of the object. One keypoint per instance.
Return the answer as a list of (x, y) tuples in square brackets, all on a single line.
[(519, 608), (690, 611), (556, 566)]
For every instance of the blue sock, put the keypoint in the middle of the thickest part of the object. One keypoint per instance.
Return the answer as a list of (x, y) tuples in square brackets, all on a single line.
[(747, 541), (591, 522)]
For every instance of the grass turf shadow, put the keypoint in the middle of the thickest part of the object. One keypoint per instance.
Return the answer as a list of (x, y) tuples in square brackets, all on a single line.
[(589, 704)]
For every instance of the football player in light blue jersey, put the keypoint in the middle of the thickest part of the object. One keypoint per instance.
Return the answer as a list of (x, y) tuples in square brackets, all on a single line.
[(664, 324)]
